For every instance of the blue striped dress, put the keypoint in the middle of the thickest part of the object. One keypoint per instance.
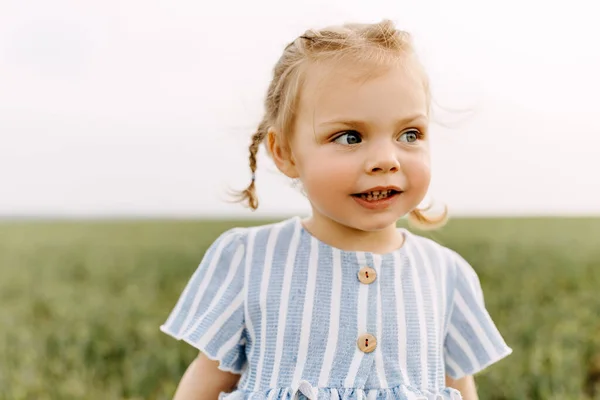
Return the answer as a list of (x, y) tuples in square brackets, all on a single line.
[(293, 316)]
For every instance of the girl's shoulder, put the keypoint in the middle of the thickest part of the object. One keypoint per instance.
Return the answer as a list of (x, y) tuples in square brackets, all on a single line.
[(446, 258), (256, 236)]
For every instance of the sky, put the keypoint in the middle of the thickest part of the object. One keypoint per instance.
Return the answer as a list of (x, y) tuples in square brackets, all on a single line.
[(145, 108)]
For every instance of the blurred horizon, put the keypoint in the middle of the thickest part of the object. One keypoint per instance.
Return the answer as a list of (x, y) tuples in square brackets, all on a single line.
[(157, 217)]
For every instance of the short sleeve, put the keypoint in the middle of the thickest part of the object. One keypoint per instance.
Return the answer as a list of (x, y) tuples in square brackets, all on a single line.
[(472, 341), (209, 313)]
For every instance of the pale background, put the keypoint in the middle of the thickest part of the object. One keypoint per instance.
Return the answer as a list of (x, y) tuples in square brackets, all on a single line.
[(146, 107)]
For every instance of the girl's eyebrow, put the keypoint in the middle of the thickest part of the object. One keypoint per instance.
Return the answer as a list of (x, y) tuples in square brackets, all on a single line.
[(358, 124)]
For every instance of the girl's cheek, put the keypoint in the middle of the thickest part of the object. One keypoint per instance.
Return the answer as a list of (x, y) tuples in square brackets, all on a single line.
[(416, 166), (421, 157)]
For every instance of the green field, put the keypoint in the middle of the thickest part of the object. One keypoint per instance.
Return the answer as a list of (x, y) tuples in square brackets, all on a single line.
[(81, 303)]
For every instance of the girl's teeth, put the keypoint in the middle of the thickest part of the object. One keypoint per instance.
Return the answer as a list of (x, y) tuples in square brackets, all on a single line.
[(375, 195)]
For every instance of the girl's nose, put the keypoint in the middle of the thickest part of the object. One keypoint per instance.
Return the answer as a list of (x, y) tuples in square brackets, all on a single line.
[(383, 162)]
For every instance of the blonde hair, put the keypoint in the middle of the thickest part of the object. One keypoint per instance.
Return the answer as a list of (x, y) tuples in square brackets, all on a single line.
[(380, 43)]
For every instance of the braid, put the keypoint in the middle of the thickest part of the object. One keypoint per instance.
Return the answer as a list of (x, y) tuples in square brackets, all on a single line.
[(249, 194)]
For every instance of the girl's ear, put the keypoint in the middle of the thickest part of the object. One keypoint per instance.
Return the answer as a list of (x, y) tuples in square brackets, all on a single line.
[(281, 154)]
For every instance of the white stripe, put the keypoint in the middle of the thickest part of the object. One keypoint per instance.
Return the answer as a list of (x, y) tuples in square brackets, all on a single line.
[(452, 364), (362, 314), (235, 261), (424, 348), (464, 345), (283, 306), (227, 346), (216, 257), (400, 319), (309, 300), (218, 324), (334, 318), (434, 305), (443, 287), (264, 289), (379, 362), (475, 324), (372, 395), (470, 276), (247, 319), (335, 395), (177, 310), (235, 359)]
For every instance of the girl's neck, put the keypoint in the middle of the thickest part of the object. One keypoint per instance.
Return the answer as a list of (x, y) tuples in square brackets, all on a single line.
[(347, 238)]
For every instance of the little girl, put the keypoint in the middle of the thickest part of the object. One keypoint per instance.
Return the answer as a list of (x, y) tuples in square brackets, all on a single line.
[(343, 304)]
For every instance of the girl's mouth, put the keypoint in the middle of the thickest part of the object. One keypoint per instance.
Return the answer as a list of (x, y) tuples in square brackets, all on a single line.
[(376, 195)]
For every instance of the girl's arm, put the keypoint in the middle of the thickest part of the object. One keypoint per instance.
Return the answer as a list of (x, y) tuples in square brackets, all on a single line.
[(465, 385), (203, 380)]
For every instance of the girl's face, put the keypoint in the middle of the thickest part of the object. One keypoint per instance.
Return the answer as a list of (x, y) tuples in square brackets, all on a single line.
[(360, 144)]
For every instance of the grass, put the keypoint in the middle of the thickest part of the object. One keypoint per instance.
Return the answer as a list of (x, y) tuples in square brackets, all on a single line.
[(81, 303)]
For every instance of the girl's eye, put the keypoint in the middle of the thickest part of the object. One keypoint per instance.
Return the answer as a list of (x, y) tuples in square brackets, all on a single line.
[(410, 136), (348, 138)]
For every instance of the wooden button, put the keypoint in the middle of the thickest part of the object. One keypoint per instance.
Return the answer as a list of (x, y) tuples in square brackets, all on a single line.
[(367, 275), (367, 343)]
